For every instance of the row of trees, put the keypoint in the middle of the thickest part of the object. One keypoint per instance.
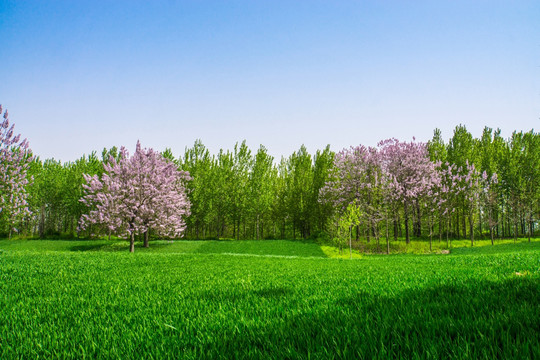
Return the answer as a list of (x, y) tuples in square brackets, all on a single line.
[(243, 195), (466, 187), (512, 175), (398, 182)]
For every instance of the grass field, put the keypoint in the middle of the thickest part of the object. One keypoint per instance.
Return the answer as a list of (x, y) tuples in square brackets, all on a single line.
[(265, 299)]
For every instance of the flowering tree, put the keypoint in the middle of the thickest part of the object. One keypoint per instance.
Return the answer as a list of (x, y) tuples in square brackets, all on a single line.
[(358, 178), (447, 196), (136, 194), (434, 198), (411, 174), (15, 157), (465, 187)]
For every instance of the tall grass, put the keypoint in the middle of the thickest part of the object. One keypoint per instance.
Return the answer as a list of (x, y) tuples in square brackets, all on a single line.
[(197, 300)]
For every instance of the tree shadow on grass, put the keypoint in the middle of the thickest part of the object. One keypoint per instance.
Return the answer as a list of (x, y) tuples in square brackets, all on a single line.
[(118, 246), (104, 247), (89, 247), (475, 319)]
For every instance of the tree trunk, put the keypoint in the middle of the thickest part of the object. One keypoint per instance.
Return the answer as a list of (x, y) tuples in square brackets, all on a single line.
[(447, 230), (497, 227), (457, 225), (132, 243), (375, 228), (387, 239), (350, 241), (42, 222), (146, 239), (480, 224), (464, 223), (430, 232), (257, 226), (503, 226), (471, 229), (238, 229), (440, 228), (418, 220), (406, 214)]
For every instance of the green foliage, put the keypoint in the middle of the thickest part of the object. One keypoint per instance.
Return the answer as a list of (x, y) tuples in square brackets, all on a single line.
[(243, 194), (461, 147), (69, 300), (346, 221), (437, 148), (55, 194)]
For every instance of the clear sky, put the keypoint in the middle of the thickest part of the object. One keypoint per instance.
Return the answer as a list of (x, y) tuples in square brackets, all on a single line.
[(79, 76)]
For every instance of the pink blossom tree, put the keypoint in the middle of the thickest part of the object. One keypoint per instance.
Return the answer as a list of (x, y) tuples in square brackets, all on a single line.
[(137, 194), (15, 157), (433, 199), (358, 179), (448, 193), (351, 176), (464, 187), (411, 174)]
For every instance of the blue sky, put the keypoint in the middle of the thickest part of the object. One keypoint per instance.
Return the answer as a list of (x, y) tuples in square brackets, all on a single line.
[(79, 76)]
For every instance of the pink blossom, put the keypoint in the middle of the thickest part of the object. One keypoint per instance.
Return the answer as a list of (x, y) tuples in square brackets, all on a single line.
[(138, 193), (15, 157)]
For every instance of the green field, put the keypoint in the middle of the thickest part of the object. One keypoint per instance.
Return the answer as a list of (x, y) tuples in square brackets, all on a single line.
[(265, 299)]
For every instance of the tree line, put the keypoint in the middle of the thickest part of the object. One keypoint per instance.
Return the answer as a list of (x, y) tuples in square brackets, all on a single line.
[(465, 187)]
